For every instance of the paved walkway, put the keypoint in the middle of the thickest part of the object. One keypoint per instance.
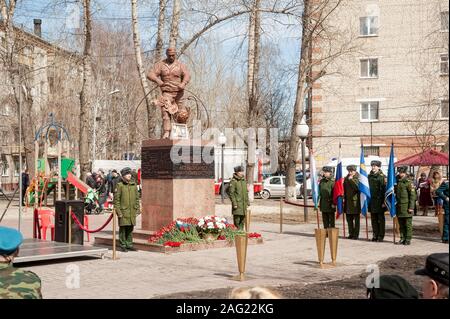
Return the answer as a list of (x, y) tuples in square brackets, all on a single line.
[(283, 259)]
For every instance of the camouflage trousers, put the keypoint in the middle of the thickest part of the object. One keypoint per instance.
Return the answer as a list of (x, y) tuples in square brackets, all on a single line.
[(378, 225), (239, 221), (328, 219), (126, 236), (405, 225)]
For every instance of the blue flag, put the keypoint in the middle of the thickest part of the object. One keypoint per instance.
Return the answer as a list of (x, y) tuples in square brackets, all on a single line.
[(314, 183), (363, 185), (389, 196)]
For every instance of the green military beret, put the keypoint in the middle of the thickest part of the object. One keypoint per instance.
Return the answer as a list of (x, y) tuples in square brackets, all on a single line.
[(375, 163), (328, 169), (402, 169), (393, 287), (351, 168), (436, 267), (10, 240)]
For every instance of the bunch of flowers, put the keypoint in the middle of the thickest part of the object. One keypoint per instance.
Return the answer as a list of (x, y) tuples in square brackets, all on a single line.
[(185, 225), (172, 244), (212, 224), (254, 235)]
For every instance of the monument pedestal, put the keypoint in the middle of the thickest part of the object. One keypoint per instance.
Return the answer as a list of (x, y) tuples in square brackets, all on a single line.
[(177, 179)]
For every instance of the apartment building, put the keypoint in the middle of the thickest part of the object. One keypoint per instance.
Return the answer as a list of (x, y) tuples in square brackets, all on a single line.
[(45, 68), (391, 87)]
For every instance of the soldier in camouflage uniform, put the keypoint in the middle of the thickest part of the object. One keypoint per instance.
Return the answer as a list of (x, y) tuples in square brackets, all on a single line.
[(326, 198), (238, 194), (352, 206), (377, 184), (15, 283), (406, 200)]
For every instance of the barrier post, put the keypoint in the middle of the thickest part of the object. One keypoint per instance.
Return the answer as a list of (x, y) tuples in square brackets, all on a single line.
[(114, 234), (70, 225)]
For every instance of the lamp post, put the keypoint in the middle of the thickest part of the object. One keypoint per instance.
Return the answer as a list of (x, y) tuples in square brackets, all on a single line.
[(222, 142), (302, 130), (94, 135)]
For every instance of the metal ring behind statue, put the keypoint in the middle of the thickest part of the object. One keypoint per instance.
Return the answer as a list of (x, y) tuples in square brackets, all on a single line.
[(191, 97)]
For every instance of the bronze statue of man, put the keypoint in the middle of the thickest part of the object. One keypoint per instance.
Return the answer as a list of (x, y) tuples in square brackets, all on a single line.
[(171, 76)]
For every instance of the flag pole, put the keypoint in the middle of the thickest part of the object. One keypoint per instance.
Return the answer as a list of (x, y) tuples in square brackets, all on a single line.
[(343, 222), (318, 220), (367, 228)]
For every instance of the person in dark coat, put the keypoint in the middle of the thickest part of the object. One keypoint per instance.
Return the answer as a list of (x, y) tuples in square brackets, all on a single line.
[(25, 180), (352, 206), (425, 199), (377, 184)]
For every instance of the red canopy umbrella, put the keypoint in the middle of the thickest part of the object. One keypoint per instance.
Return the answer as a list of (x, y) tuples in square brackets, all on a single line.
[(427, 158)]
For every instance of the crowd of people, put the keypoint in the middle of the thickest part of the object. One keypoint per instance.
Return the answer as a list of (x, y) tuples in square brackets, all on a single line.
[(428, 191), (105, 184), (17, 283)]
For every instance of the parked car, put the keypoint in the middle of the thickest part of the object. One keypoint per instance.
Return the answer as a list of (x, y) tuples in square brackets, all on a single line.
[(274, 186)]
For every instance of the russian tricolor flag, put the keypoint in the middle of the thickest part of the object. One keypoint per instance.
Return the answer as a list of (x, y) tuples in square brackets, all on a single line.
[(338, 190)]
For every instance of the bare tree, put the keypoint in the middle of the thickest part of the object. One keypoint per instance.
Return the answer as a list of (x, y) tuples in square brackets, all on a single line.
[(160, 32), (141, 71), (176, 12), (85, 94)]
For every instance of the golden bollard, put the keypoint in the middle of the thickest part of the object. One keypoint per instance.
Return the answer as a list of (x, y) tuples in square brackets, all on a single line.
[(241, 242), (247, 220), (333, 236), (321, 236), (441, 223)]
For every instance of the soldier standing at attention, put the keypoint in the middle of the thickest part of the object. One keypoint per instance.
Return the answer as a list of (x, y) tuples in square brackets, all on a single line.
[(326, 198), (239, 197), (406, 200), (126, 203), (15, 283), (352, 206), (377, 184)]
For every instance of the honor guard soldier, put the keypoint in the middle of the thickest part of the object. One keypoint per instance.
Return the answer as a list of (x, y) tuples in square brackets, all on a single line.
[(352, 206), (126, 204), (15, 283), (326, 205), (238, 194), (377, 184), (406, 200)]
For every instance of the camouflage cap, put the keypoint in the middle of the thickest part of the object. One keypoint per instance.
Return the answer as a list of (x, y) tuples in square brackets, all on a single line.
[(351, 168), (125, 171), (10, 240), (375, 163), (436, 267), (393, 287), (239, 168), (328, 169), (402, 169)]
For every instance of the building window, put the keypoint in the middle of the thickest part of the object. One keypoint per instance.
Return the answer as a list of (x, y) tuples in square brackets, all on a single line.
[(369, 111), (444, 21), (5, 110), (444, 109), (4, 165), (369, 68), (371, 150), (4, 137), (368, 26), (16, 166), (444, 64)]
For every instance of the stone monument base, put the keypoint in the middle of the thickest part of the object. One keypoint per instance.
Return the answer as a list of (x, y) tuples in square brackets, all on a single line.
[(171, 190)]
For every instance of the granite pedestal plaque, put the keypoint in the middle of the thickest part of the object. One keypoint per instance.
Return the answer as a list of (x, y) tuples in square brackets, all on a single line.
[(177, 181)]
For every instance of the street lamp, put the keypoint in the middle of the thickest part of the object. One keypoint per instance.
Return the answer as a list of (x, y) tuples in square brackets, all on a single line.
[(302, 130), (94, 137), (222, 141)]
